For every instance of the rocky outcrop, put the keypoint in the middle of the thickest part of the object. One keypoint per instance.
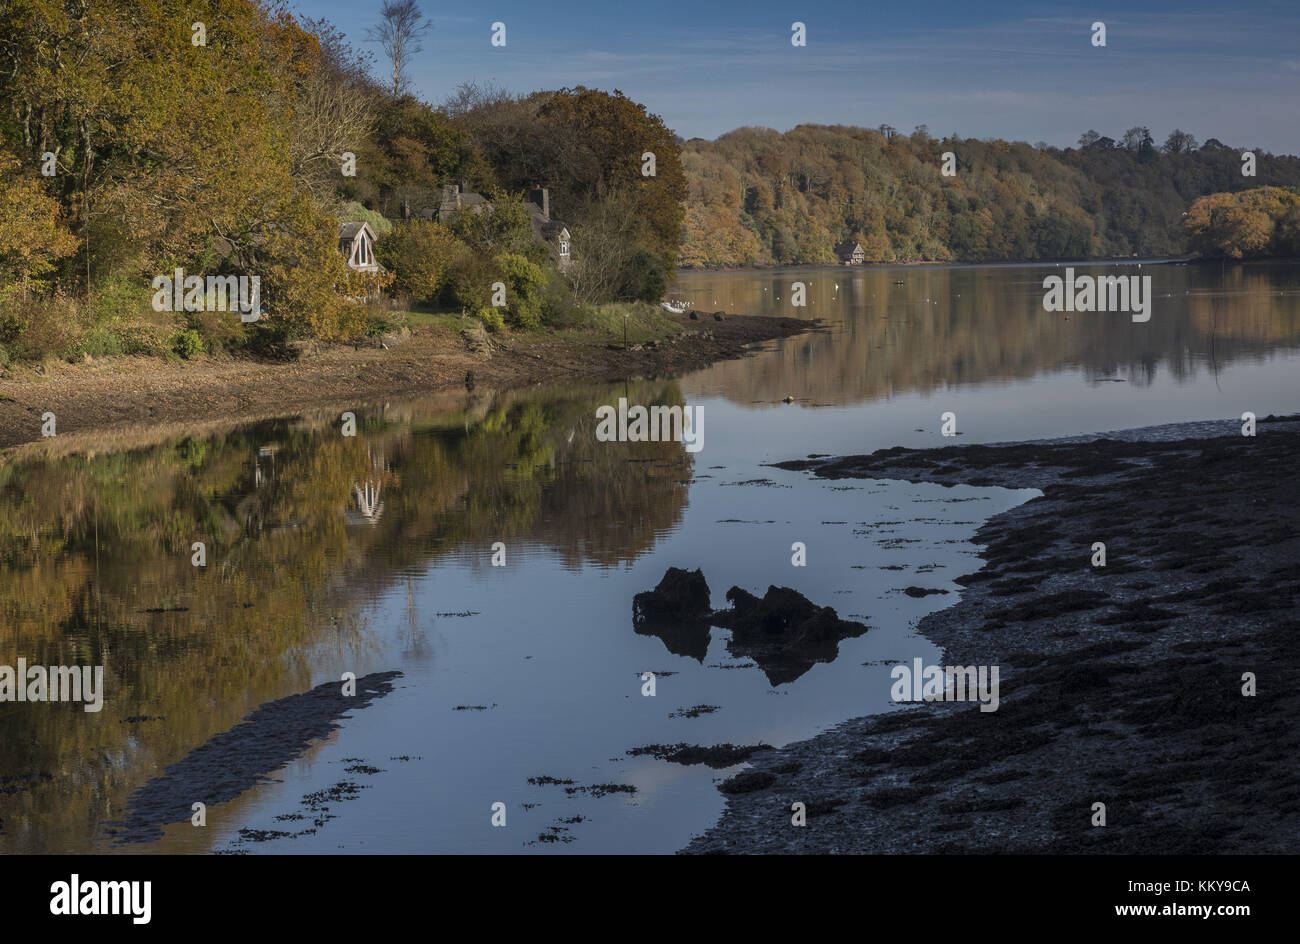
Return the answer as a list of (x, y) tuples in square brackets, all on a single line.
[(784, 632)]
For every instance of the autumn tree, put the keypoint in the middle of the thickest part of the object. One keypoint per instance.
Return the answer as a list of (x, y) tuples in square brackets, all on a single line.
[(504, 225), (33, 236), (586, 146), (1241, 225), (210, 152), (413, 151)]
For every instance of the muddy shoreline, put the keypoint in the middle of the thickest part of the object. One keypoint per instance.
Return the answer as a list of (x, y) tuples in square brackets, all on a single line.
[(130, 393), (1120, 684), (234, 761), (936, 264)]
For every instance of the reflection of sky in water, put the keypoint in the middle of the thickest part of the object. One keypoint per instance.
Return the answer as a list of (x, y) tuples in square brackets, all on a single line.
[(553, 655), (1062, 403)]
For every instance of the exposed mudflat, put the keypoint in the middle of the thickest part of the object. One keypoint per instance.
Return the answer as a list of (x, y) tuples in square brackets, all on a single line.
[(236, 760), (1120, 684)]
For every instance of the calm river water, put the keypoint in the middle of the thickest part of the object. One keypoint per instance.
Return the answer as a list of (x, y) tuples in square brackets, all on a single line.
[(328, 554)]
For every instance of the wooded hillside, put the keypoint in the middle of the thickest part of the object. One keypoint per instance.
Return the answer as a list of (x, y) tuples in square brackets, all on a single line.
[(757, 196)]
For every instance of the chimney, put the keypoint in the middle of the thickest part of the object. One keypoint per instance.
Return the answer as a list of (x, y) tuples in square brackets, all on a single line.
[(542, 198), (450, 201)]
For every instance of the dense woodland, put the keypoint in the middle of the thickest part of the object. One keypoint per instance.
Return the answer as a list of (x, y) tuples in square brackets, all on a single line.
[(759, 197), (135, 141), (132, 143)]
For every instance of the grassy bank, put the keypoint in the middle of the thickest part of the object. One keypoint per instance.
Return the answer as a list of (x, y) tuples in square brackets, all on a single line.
[(42, 333), (413, 354)]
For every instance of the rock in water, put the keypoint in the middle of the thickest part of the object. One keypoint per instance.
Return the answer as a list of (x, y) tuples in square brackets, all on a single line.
[(784, 632), (682, 594), (677, 611)]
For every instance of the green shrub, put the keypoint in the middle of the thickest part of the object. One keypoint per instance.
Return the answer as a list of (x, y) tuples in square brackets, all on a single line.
[(421, 255), (354, 212), (382, 319), (34, 328), (644, 278), (218, 330), (188, 344), (557, 299), (506, 227), (98, 341), (145, 339), (491, 318), (525, 283), (469, 282), (270, 339), (122, 296)]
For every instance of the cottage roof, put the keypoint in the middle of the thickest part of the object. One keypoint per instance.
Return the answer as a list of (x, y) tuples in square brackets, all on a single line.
[(545, 229), (350, 230)]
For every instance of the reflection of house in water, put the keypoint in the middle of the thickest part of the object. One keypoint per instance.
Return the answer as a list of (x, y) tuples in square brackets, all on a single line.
[(368, 504), (264, 464)]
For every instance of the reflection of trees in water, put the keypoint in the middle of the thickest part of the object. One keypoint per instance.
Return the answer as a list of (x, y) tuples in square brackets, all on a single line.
[(95, 566), (972, 325), (415, 642)]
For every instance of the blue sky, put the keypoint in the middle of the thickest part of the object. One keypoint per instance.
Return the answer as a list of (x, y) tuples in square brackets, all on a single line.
[(1015, 70)]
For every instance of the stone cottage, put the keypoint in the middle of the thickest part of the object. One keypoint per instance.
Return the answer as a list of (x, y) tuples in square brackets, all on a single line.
[(552, 233), (851, 253)]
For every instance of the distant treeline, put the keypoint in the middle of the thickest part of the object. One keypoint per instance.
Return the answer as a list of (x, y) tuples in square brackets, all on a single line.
[(759, 197)]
